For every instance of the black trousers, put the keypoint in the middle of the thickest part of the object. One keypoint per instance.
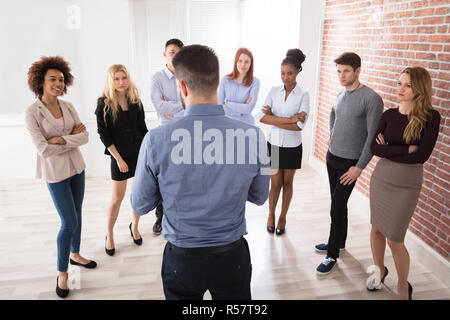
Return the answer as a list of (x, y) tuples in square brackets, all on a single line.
[(226, 275), (336, 167), (159, 212)]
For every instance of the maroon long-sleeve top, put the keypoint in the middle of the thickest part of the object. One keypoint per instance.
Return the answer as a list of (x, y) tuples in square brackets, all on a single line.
[(392, 125)]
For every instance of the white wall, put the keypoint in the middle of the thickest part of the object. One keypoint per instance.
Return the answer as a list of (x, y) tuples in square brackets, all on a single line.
[(134, 33), (311, 19)]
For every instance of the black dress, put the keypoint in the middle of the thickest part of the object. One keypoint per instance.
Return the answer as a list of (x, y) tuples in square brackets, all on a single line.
[(126, 133)]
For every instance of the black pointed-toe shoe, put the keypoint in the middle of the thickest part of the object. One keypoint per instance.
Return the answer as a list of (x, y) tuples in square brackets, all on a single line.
[(138, 241), (109, 252), (270, 229), (90, 265), (62, 293), (279, 232)]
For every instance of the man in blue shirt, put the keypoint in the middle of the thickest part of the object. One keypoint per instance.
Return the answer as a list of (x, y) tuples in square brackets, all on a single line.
[(165, 99), (203, 168)]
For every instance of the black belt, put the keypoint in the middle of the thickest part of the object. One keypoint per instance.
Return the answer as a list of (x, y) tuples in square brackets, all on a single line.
[(207, 250)]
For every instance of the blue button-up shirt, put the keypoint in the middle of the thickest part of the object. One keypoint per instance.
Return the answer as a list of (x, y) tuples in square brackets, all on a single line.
[(236, 95), (194, 168), (164, 85)]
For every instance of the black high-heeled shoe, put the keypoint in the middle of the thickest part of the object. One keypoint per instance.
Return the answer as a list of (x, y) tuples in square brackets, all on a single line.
[(62, 293), (410, 291), (279, 232), (138, 241), (270, 229), (109, 252)]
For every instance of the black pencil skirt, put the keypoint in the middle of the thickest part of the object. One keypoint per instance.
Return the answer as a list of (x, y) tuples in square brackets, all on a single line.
[(289, 158)]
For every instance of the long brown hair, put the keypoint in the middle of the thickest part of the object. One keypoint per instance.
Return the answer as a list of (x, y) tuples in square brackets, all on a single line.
[(248, 79), (110, 94), (422, 107)]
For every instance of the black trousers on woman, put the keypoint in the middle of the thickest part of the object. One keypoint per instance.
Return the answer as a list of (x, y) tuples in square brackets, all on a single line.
[(336, 167)]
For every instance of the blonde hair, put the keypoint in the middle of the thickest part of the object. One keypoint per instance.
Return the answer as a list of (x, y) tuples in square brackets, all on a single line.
[(111, 99), (422, 107)]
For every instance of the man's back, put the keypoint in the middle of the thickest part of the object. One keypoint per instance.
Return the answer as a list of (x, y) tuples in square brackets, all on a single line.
[(206, 166)]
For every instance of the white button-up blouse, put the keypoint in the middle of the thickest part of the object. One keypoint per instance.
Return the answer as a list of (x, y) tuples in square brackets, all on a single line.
[(297, 101)]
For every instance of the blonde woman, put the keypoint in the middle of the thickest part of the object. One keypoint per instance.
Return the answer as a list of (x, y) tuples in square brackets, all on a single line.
[(404, 141), (121, 126)]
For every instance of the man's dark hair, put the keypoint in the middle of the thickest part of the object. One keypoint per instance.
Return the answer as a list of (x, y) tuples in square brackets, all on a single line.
[(349, 59), (198, 67), (176, 42)]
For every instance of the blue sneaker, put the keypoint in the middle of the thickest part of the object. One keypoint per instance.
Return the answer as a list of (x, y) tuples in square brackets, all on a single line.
[(323, 248), (326, 266)]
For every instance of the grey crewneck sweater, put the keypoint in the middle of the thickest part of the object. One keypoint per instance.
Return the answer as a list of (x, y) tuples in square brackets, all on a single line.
[(353, 121)]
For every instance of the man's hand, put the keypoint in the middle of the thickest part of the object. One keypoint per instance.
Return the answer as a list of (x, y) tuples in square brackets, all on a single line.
[(56, 140), (163, 99), (79, 128), (350, 176), (248, 100)]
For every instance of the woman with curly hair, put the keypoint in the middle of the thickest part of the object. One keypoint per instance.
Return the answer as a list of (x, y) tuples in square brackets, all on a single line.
[(404, 140), (57, 132), (121, 126)]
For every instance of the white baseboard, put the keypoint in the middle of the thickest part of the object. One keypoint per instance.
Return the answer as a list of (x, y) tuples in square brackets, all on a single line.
[(417, 248)]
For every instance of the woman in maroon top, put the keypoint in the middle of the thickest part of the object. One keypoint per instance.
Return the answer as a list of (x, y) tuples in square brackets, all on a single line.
[(404, 141)]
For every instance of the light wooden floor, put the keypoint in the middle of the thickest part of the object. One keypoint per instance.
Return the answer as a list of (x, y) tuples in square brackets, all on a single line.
[(283, 267)]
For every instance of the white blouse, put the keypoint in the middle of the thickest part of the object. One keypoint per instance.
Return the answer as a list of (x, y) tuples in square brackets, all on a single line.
[(296, 102)]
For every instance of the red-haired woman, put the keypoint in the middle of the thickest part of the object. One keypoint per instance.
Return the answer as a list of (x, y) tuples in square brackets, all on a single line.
[(239, 90), (57, 132), (404, 141)]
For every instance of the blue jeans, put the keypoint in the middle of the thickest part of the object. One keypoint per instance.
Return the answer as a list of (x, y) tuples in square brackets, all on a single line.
[(68, 197)]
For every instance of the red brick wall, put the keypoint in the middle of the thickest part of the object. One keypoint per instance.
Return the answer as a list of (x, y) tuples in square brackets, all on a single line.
[(390, 35)]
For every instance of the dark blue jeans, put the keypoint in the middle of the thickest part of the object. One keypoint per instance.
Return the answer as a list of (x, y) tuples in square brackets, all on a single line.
[(68, 197), (226, 275), (336, 167)]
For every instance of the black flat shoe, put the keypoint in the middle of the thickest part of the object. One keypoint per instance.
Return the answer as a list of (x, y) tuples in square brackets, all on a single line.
[(90, 265), (62, 293), (279, 232), (109, 252), (138, 241), (270, 229), (410, 291)]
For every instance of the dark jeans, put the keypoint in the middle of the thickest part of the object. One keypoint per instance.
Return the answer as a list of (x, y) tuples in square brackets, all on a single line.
[(68, 197), (226, 275), (336, 167)]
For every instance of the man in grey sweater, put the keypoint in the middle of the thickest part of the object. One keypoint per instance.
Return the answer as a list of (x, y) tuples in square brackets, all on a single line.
[(353, 121)]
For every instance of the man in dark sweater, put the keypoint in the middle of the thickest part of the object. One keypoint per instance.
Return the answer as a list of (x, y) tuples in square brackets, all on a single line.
[(353, 121)]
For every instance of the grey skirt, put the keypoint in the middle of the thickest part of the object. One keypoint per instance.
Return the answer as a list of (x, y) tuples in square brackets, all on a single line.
[(394, 192)]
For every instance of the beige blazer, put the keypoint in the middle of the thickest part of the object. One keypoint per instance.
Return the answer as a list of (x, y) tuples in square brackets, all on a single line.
[(53, 160)]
